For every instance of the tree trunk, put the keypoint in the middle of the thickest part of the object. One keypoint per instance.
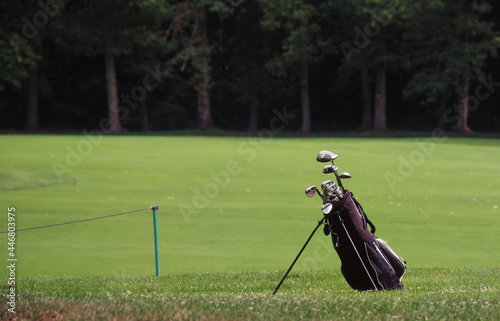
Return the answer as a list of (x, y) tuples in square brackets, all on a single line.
[(304, 91), (253, 121), (204, 115), (465, 8), (441, 110), (380, 100), (32, 111), (204, 112), (380, 94), (463, 112), (366, 123), (113, 115), (143, 109), (254, 111)]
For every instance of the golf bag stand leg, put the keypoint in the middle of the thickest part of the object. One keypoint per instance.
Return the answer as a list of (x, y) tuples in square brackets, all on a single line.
[(291, 266)]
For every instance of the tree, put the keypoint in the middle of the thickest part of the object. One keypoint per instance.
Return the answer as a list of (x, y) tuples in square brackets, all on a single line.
[(112, 86), (372, 26), (17, 56), (443, 63), (19, 53), (111, 29), (302, 43), (219, 61), (189, 28), (242, 62)]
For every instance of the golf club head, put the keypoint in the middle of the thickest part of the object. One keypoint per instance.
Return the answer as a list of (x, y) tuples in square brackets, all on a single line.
[(340, 193), (325, 156), (326, 185), (327, 208), (332, 191), (328, 169), (344, 175), (311, 190)]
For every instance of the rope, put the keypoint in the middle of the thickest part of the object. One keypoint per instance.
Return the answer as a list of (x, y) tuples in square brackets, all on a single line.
[(79, 221)]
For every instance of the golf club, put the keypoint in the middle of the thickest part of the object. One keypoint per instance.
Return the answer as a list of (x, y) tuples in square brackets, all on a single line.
[(326, 186), (326, 208), (311, 190), (345, 175), (332, 190), (328, 169), (340, 193), (325, 156), (333, 169)]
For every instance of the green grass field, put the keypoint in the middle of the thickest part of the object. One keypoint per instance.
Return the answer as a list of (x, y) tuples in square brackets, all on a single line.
[(237, 205), (430, 294)]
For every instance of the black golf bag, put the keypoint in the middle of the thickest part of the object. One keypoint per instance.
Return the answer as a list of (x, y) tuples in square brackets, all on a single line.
[(368, 263)]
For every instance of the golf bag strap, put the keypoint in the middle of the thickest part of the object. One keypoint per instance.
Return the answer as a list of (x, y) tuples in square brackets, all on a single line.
[(372, 226)]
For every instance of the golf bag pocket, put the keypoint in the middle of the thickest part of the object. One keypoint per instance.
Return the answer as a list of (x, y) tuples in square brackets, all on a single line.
[(396, 261), (385, 275)]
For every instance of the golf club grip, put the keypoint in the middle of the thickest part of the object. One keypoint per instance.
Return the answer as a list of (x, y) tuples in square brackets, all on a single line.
[(291, 266)]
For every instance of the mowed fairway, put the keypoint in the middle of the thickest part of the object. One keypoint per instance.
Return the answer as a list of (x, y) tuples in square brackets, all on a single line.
[(230, 204)]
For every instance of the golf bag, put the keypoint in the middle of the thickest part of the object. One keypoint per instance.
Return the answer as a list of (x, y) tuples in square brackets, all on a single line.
[(368, 263)]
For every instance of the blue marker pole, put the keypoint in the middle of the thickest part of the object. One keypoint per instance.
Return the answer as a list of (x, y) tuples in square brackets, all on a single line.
[(157, 252)]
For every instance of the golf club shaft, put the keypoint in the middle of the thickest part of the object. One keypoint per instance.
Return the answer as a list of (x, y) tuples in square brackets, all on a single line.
[(339, 181), (291, 266)]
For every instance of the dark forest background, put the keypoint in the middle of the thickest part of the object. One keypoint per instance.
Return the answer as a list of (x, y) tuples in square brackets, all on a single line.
[(344, 65)]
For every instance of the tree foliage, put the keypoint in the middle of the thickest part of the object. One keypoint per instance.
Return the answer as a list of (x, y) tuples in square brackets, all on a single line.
[(174, 64)]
